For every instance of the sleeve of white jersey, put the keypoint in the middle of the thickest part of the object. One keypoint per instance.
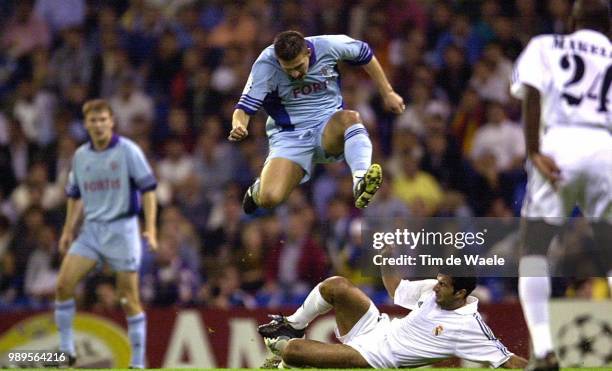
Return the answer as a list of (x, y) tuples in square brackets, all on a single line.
[(256, 87), (479, 344), (531, 68), (408, 293)]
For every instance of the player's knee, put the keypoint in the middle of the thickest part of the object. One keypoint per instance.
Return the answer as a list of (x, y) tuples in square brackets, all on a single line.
[(63, 290), (269, 198), (334, 287), (348, 118), (292, 354)]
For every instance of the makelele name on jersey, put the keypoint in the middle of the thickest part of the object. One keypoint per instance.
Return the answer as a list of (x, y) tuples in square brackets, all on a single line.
[(565, 43)]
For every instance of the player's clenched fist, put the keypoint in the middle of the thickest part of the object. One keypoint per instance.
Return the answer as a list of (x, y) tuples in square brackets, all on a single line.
[(394, 102), (238, 133)]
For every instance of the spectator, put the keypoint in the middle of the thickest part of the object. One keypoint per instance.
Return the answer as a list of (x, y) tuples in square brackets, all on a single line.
[(250, 258), (42, 267), (34, 109), (469, 116), (416, 188), (15, 157), (462, 35), (25, 31), (500, 137), (454, 76), (61, 15), (72, 62), (37, 191), (296, 262), (170, 280), (421, 105), (129, 102)]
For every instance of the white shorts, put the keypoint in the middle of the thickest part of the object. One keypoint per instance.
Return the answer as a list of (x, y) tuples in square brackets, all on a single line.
[(368, 338), (584, 156)]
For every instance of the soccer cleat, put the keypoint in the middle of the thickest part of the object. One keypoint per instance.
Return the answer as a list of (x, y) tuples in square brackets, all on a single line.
[(367, 186), (279, 328), (248, 202), (548, 363)]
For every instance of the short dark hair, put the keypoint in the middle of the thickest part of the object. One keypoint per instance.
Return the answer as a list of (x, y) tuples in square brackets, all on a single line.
[(289, 44), (460, 283)]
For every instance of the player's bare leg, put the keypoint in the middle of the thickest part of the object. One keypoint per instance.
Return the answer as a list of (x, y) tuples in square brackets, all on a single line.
[(345, 133), (311, 353), (72, 271), (127, 288), (278, 179), (338, 293), (535, 290)]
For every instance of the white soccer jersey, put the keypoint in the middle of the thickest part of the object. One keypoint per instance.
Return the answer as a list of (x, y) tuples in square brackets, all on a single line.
[(428, 334), (573, 74)]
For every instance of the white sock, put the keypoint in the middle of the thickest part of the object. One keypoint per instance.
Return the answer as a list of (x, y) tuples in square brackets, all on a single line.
[(313, 306), (137, 333), (357, 150), (64, 318), (534, 293)]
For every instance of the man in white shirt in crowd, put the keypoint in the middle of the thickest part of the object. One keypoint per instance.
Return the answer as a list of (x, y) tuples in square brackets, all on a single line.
[(444, 322), (500, 137)]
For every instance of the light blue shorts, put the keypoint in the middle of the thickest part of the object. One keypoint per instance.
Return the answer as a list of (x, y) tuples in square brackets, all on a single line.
[(117, 243), (304, 147)]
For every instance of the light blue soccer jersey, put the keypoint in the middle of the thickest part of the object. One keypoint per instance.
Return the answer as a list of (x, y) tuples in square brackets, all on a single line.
[(301, 104), (110, 181)]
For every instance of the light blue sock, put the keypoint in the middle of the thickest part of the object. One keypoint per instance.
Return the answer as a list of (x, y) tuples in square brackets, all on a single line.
[(64, 314), (357, 150), (137, 332)]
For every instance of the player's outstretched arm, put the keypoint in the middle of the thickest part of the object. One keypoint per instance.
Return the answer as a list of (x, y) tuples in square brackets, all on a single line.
[(515, 362), (240, 122), (392, 100), (74, 207), (149, 204)]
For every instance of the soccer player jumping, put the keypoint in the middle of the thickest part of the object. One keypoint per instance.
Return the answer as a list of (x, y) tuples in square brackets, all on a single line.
[(297, 82)]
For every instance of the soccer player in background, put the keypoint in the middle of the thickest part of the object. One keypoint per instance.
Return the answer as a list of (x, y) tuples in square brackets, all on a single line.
[(108, 178), (297, 82), (444, 322), (564, 82)]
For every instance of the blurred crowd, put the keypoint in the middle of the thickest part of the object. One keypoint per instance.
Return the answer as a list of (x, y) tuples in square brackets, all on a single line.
[(173, 72)]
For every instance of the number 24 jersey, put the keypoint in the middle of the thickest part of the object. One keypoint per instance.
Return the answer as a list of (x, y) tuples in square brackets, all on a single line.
[(573, 74)]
